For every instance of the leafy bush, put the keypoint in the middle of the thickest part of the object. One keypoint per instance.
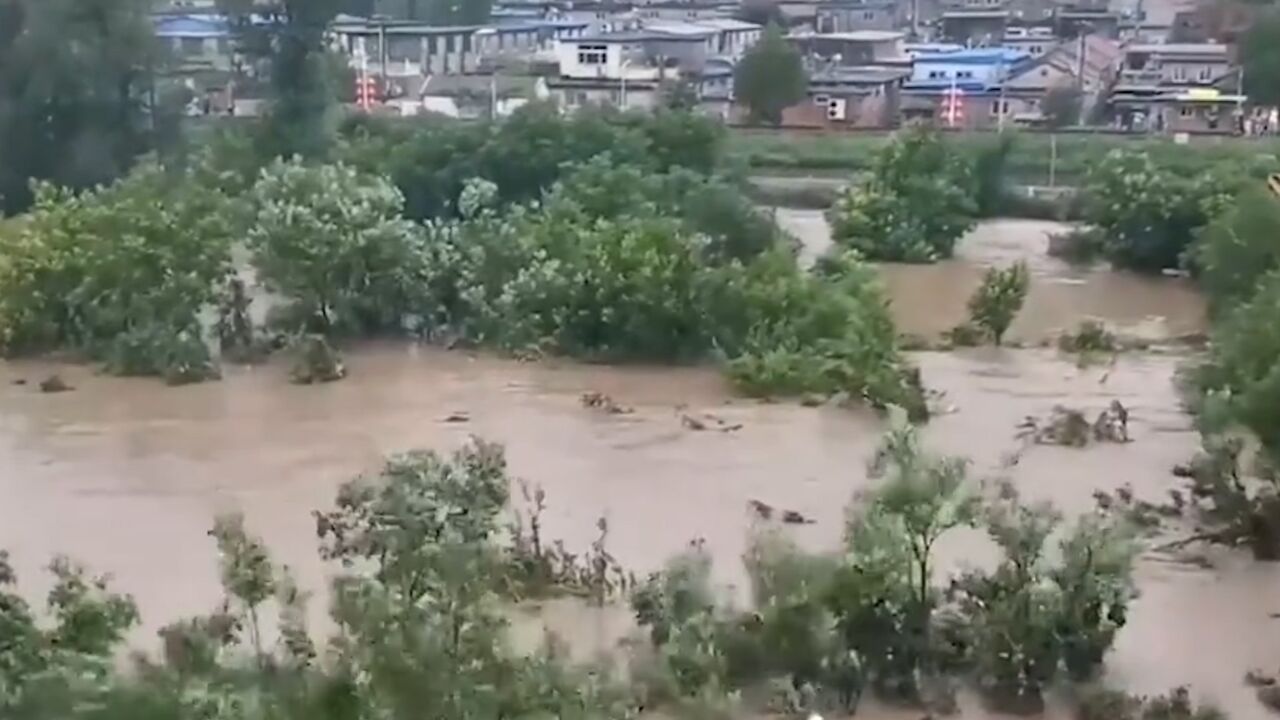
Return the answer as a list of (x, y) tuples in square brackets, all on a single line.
[(1240, 246), (1148, 215), (524, 155), (914, 206), (117, 271), (1090, 336), (1241, 374), (331, 240), (1106, 704), (997, 301), (785, 332)]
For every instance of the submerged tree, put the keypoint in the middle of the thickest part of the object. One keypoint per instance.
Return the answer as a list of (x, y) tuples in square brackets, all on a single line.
[(997, 301), (332, 241), (912, 208)]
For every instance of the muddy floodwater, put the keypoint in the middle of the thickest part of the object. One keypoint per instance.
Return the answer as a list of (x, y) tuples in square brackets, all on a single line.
[(929, 299), (126, 474)]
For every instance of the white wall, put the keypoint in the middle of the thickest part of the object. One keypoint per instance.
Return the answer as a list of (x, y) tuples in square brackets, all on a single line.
[(572, 53)]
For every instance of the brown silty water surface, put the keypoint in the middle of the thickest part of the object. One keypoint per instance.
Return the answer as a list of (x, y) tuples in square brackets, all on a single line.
[(929, 299), (126, 476)]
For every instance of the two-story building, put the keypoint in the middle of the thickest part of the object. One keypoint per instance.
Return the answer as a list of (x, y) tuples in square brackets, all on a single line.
[(625, 69), (962, 87), (1177, 87)]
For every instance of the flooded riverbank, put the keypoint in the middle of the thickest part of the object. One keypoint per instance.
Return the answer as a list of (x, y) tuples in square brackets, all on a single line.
[(126, 475), (930, 299)]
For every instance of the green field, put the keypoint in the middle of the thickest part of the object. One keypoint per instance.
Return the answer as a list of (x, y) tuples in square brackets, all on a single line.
[(783, 153)]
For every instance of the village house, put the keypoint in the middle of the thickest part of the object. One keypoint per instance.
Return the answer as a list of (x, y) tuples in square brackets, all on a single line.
[(847, 98), (1177, 87), (962, 87), (1086, 65), (623, 69)]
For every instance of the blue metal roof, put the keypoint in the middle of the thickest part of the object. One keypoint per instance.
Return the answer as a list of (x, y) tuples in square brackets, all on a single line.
[(192, 26), (975, 56)]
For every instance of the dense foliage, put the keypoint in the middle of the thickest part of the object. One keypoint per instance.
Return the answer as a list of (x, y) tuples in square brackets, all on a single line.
[(283, 43), (1148, 215), (525, 154), (1242, 376), (770, 77), (1238, 248), (1260, 56), (997, 301), (74, 82), (332, 242), (913, 207), (121, 273)]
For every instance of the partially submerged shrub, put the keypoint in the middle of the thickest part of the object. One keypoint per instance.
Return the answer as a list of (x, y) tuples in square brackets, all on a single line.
[(1107, 704), (1090, 336), (315, 361), (997, 301), (912, 208), (117, 271)]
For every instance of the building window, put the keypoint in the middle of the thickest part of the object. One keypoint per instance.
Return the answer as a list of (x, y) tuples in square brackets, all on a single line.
[(869, 15), (964, 74), (1204, 74), (821, 99), (937, 74), (192, 46), (1186, 111), (1000, 107), (592, 54), (1179, 73)]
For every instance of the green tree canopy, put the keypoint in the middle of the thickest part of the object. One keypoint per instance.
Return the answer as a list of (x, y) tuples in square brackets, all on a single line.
[(284, 42), (1238, 248), (771, 77), (75, 82), (1260, 56)]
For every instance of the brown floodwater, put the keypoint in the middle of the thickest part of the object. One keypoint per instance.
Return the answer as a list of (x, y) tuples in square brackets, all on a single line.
[(929, 299), (126, 474)]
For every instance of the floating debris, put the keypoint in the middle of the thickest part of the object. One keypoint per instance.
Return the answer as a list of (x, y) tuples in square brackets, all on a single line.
[(765, 511), (1069, 427), (600, 401), (457, 417), (54, 384), (708, 422)]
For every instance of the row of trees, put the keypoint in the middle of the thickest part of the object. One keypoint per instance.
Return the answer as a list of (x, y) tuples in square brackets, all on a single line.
[(423, 573), (537, 240)]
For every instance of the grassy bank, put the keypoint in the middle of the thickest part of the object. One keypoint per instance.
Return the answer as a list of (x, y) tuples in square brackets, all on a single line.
[(783, 153)]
